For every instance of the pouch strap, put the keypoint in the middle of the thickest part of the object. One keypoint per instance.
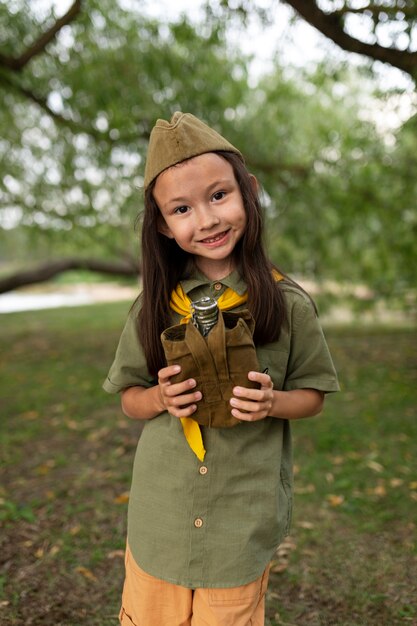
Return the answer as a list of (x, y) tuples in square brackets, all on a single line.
[(216, 342), (200, 351)]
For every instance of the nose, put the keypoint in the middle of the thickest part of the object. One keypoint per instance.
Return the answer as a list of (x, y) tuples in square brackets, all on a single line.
[(207, 218)]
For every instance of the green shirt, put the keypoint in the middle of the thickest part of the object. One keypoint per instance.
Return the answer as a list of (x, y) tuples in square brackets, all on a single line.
[(218, 523)]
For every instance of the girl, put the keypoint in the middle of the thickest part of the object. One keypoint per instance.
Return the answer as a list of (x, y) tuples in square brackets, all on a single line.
[(209, 506)]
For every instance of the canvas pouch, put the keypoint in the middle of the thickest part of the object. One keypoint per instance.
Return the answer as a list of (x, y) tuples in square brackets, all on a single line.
[(217, 362)]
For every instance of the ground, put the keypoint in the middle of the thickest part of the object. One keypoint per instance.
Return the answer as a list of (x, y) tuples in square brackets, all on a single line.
[(67, 453)]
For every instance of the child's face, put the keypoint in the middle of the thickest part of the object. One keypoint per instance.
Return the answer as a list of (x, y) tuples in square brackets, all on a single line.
[(202, 209)]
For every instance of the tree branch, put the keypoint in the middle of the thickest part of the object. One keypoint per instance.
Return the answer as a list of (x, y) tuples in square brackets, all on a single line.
[(46, 271), (377, 10), (75, 127), (17, 64), (296, 169), (59, 119), (332, 27)]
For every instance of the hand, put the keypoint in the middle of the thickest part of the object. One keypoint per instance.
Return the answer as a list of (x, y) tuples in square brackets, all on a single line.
[(251, 405), (175, 397)]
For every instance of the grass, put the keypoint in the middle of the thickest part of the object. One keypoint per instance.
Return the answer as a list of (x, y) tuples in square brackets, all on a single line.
[(67, 452)]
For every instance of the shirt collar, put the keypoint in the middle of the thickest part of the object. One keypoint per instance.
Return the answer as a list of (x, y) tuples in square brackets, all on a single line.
[(197, 279)]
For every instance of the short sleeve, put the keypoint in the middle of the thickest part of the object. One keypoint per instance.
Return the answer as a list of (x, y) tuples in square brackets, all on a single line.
[(310, 364), (129, 366)]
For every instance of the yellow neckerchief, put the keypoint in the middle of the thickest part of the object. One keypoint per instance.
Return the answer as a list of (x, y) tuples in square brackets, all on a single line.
[(181, 303)]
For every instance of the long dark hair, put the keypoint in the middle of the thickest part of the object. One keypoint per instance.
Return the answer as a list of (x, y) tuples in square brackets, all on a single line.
[(164, 264)]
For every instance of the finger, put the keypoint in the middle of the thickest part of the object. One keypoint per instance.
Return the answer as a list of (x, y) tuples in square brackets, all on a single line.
[(165, 373), (261, 378), (181, 388), (184, 411), (187, 411), (256, 395), (247, 417), (183, 406), (185, 399), (246, 405)]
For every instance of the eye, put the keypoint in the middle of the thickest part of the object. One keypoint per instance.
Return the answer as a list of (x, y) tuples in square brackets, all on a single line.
[(181, 210), (219, 195)]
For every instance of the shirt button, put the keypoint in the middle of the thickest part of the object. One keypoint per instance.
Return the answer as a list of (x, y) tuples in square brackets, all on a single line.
[(203, 470), (198, 522), (217, 286)]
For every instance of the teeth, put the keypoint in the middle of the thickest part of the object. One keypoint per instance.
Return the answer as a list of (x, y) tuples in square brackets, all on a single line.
[(213, 239)]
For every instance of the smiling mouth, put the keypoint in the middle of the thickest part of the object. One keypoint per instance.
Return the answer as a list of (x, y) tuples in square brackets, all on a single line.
[(215, 238)]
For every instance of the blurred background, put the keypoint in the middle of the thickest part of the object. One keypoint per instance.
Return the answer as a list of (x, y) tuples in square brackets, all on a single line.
[(320, 98)]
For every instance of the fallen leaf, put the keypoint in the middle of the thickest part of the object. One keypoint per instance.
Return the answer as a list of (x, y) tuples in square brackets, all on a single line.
[(404, 469), (403, 436), (288, 545), (375, 466), (122, 499), (307, 489), (45, 468), (74, 530), (281, 562), (285, 549), (96, 435), (86, 573), (335, 500), (116, 554), (413, 485), (306, 525), (30, 415), (396, 482), (278, 567)]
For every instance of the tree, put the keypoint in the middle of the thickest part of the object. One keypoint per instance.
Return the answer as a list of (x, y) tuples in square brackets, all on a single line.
[(391, 27), (81, 98), (76, 122)]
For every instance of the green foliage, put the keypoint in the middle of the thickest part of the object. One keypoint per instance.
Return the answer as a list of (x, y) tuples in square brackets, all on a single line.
[(339, 193), (340, 196), (77, 175)]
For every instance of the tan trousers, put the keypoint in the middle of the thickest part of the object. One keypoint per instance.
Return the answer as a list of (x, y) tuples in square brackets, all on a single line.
[(148, 601)]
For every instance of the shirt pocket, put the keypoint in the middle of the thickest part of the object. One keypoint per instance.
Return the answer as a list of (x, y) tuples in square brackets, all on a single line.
[(275, 361)]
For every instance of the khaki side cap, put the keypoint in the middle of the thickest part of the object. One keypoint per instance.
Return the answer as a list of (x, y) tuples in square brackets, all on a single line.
[(184, 137)]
